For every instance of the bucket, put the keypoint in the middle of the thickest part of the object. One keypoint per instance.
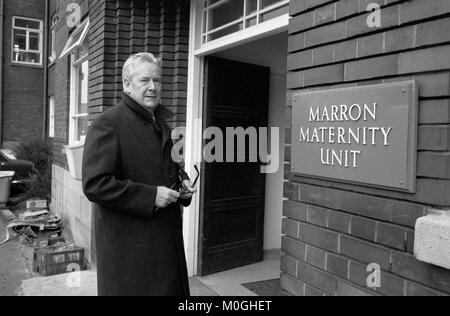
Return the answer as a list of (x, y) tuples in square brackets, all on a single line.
[(5, 186), (74, 159)]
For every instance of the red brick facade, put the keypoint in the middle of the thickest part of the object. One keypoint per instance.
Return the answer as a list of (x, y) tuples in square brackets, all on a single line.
[(23, 110), (121, 28), (59, 76), (333, 231)]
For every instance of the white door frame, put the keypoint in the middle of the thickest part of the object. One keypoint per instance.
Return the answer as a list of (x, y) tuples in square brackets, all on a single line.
[(194, 122)]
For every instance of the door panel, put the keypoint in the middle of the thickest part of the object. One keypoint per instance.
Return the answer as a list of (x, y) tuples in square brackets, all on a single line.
[(232, 217)]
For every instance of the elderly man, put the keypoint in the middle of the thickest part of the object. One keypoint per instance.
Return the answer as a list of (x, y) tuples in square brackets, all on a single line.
[(129, 174)]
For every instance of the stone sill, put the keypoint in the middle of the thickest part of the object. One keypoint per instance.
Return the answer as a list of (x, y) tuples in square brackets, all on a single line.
[(432, 238)]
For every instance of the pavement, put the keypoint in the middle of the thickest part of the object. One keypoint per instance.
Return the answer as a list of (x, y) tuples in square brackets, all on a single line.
[(18, 279), (14, 266), (83, 284)]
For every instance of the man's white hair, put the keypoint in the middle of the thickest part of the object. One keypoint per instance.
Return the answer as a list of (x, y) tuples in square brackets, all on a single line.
[(128, 67)]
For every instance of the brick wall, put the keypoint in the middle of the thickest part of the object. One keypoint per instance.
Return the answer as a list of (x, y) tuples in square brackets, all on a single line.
[(23, 87), (59, 78), (69, 202), (121, 28), (333, 231)]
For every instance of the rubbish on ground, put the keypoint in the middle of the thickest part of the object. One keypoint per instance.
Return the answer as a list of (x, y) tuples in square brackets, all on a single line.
[(37, 219), (28, 234), (32, 204), (5, 186), (34, 214), (7, 238), (54, 239)]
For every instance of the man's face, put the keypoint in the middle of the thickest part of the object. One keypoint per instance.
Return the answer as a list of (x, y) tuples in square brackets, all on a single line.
[(145, 85)]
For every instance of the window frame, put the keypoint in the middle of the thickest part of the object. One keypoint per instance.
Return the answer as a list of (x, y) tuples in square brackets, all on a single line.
[(27, 50), (258, 13), (52, 57), (75, 65), (70, 46), (51, 116)]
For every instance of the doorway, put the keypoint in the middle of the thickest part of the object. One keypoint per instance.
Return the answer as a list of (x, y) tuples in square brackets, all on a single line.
[(241, 208), (232, 216)]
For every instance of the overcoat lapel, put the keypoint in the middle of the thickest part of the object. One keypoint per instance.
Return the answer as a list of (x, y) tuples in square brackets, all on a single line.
[(161, 114)]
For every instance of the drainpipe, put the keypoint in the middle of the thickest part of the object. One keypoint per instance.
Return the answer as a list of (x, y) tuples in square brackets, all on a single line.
[(45, 63), (2, 5)]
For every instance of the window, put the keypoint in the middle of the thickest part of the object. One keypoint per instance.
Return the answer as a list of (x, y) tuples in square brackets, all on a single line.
[(52, 48), (224, 17), (76, 39), (79, 50), (51, 117), (52, 56), (27, 41)]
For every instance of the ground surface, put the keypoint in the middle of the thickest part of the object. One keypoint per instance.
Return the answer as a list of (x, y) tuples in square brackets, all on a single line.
[(17, 278), (14, 266)]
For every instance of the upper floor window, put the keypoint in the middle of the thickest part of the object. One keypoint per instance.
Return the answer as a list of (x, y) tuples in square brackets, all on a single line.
[(224, 17), (76, 39), (51, 117), (27, 41), (78, 48), (52, 42)]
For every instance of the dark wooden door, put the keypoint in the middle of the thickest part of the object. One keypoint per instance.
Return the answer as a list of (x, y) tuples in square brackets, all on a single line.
[(232, 216)]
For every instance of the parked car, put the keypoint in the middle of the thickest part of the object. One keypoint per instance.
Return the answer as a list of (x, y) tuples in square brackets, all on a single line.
[(23, 171), (8, 162)]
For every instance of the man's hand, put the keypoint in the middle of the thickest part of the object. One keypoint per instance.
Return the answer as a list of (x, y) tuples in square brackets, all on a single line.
[(189, 189), (166, 196)]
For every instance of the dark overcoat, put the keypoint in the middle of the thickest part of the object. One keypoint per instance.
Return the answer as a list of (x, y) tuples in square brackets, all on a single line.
[(139, 248)]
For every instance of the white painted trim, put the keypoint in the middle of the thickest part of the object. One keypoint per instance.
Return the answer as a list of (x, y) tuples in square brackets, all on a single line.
[(193, 139), (70, 45), (40, 31), (273, 26), (245, 16), (73, 99), (194, 119), (51, 117), (74, 115)]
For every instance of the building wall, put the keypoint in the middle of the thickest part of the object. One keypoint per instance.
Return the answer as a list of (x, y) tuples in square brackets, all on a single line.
[(333, 231), (59, 77), (118, 29), (68, 200), (70, 203), (121, 28), (23, 86)]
